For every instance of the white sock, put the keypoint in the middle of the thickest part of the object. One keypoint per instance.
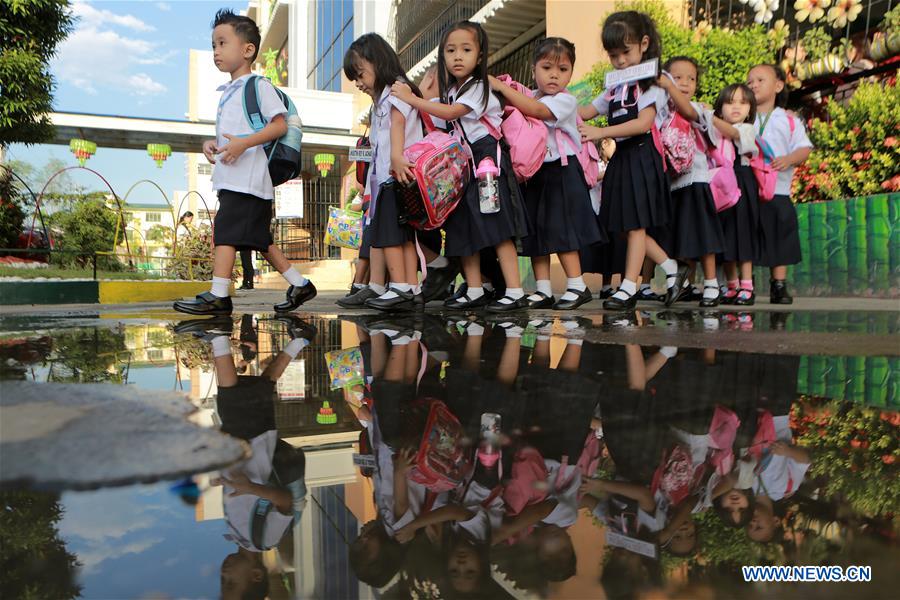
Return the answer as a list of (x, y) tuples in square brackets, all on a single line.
[(544, 287), (474, 329), (710, 323), (512, 330), (402, 340), (474, 293), (626, 290), (378, 289), (668, 351), (402, 287), (220, 286), (489, 287), (512, 294), (221, 346), (295, 346), (710, 288), (575, 341), (417, 289), (670, 266), (439, 263), (358, 286), (389, 294), (573, 283), (294, 277), (644, 286)]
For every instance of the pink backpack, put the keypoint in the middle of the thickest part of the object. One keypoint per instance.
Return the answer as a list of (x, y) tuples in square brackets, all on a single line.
[(526, 136), (588, 156), (679, 143), (722, 180), (766, 176), (441, 168)]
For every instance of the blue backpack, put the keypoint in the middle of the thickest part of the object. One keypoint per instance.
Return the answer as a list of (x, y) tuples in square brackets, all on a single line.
[(283, 153)]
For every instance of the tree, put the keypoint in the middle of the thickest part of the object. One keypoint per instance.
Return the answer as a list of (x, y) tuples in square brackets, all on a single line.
[(30, 31), (11, 213), (88, 226)]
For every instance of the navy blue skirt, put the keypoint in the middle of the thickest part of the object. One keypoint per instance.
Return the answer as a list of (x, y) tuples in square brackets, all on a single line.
[(697, 230), (467, 229), (778, 235), (559, 208), (635, 188), (385, 225), (740, 223)]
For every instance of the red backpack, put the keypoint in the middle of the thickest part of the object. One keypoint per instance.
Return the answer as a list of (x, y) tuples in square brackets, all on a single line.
[(441, 462)]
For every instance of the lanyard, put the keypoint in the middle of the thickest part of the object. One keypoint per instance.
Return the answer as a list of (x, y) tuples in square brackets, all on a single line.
[(763, 122)]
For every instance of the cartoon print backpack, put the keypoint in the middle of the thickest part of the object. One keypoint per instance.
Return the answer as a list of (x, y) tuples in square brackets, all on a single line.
[(442, 171), (722, 180), (761, 164), (679, 143), (526, 136), (284, 152), (441, 463)]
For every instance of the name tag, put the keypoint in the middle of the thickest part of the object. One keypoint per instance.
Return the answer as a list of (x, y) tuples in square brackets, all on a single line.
[(631, 544), (365, 461), (645, 70), (620, 113), (361, 154)]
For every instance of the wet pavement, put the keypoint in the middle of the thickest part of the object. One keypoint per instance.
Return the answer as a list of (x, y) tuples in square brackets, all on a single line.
[(622, 456)]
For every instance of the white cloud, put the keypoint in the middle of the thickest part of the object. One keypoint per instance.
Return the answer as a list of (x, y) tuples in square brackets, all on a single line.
[(95, 58), (90, 17), (164, 6)]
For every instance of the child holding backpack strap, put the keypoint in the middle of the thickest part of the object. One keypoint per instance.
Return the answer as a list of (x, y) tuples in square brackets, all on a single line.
[(635, 187), (241, 175), (785, 136), (557, 197), (466, 101), (373, 66)]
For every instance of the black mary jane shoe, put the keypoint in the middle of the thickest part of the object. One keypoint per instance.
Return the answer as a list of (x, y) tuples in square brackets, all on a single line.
[(465, 303), (677, 291), (605, 293), (583, 297), (438, 285), (247, 285), (297, 328), (778, 292), (648, 295), (357, 300), (711, 302), (545, 301), (613, 303), (220, 325), (748, 301), (401, 301), (498, 306), (295, 296), (205, 304)]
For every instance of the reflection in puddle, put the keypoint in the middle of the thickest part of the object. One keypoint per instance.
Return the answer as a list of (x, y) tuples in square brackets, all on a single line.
[(433, 458)]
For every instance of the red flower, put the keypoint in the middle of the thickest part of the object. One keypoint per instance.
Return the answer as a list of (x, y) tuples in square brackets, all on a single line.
[(857, 156), (856, 130), (888, 459), (890, 142), (855, 443)]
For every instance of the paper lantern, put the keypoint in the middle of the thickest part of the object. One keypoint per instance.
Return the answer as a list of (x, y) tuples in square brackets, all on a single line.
[(326, 415), (82, 149), (159, 153), (324, 162)]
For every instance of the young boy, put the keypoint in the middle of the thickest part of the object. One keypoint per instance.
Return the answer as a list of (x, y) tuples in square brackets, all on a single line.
[(241, 175)]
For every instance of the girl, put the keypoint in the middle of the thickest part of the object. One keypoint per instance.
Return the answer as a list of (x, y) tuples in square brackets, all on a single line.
[(635, 189), (467, 103), (786, 136), (697, 231), (556, 197), (373, 65), (736, 106)]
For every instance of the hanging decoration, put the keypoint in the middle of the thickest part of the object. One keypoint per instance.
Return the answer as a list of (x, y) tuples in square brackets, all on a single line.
[(159, 153), (82, 149), (324, 162), (326, 415)]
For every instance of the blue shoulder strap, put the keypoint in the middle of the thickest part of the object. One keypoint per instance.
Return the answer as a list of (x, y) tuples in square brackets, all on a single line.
[(251, 103)]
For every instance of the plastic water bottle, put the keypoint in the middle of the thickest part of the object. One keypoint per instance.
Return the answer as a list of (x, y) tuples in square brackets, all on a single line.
[(488, 191), (489, 444)]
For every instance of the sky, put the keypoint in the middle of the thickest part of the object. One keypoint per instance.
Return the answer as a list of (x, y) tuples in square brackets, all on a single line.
[(128, 58)]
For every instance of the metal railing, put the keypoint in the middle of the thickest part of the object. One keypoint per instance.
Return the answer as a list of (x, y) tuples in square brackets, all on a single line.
[(429, 36)]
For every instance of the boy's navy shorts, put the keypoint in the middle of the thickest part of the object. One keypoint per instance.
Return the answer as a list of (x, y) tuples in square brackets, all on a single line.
[(243, 221)]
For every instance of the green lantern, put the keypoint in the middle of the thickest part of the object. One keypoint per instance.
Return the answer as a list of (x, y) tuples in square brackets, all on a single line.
[(324, 162), (159, 153), (82, 149)]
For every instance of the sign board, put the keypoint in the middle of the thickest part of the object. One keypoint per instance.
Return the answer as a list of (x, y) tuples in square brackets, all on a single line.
[(361, 154), (289, 200), (292, 384), (645, 70), (631, 544), (365, 461)]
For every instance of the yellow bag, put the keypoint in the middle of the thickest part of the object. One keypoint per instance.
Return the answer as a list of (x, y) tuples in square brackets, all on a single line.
[(344, 228)]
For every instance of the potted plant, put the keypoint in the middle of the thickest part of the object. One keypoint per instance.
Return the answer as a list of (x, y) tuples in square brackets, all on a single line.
[(821, 60), (886, 42)]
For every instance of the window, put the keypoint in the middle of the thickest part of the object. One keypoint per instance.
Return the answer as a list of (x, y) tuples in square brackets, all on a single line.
[(334, 33), (154, 217), (204, 169)]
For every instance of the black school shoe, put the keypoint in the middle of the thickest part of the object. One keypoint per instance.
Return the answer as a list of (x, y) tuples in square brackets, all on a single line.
[(648, 295), (545, 301), (677, 291), (748, 301), (202, 327), (297, 327), (613, 303), (583, 297), (439, 282), (711, 302), (402, 301), (247, 285), (778, 292), (463, 302), (295, 296), (205, 304), (358, 299), (503, 307)]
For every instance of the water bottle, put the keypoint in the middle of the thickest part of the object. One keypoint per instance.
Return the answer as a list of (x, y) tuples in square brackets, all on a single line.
[(489, 444), (488, 192)]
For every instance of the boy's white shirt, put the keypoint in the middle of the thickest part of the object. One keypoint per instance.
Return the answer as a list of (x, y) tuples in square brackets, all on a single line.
[(564, 107), (249, 174), (777, 134)]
